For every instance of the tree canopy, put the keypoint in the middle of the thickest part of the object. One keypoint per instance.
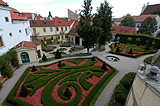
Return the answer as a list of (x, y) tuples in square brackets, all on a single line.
[(148, 26), (128, 22), (85, 28), (103, 20)]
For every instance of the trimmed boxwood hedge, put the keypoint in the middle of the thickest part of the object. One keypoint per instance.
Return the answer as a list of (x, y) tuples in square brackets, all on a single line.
[(144, 39), (48, 101), (122, 89)]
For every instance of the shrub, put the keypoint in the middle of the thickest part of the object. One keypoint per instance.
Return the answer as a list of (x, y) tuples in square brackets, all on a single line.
[(130, 51), (104, 67), (93, 59), (59, 64), (121, 98), (102, 48), (65, 44), (118, 49), (58, 55), (147, 48), (34, 68), (24, 91), (148, 60), (96, 48), (67, 93), (115, 44), (44, 58)]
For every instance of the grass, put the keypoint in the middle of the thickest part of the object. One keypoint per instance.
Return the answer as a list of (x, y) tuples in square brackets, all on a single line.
[(148, 60), (69, 76)]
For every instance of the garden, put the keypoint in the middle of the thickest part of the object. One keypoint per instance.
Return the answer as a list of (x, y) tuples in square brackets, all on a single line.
[(131, 50), (72, 82), (133, 45)]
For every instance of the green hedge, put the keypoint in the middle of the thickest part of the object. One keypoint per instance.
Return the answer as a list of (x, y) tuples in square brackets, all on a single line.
[(102, 48), (144, 39), (65, 45), (121, 91), (148, 60)]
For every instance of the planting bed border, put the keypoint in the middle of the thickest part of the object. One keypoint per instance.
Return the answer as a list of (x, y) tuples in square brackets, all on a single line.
[(128, 55), (89, 100)]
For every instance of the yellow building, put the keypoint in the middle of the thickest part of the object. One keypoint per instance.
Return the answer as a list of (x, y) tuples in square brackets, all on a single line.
[(51, 28), (29, 52)]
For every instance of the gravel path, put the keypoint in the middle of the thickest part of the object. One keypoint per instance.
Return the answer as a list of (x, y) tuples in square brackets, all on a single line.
[(124, 66)]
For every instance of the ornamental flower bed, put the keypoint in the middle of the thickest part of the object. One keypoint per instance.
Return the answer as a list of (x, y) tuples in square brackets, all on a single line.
[(47, 85), (130, 50)]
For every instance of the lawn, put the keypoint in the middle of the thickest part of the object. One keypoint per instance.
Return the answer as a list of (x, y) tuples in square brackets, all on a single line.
[(72, 82), (131, 50)]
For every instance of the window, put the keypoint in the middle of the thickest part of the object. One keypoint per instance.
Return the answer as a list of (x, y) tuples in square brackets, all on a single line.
[(34, 30), (51, 29), (57, 29), (1, 42), (44, 29), (10, 34), (6, 18), (26, 31), (20, 31), (58, 37), (61, 29), (52, 38), (66, 28)]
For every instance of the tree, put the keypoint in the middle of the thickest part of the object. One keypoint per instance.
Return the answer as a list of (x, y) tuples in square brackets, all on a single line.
[(103, 20), (84, 29), (24, 91), (58, 55), (128, 22), (149, 25), (104, 67), (128, 14), (34, 68), (67, 93), (156, 12), (44, 58)]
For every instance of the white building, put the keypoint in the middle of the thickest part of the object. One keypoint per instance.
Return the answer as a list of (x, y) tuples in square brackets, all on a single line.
[(14, 27)]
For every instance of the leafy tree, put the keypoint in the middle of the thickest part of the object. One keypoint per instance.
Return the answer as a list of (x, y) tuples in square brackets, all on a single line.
[(156, 12), (128, 14), (158, 35), (149, 25), (128, 22), (103, 20), (84, 29)]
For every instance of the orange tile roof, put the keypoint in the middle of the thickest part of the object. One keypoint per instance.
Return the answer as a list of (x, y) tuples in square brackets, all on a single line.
[(3, 3), (122, 29), (41, 23), (59, 22), (27, 44), (151, 8), (73, 30), (14, 16), (29, 15), (140, 18)]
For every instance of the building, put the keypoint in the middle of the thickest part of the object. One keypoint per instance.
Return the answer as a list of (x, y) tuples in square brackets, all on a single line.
[(140, 19), (72, 15), (29, 52), (14, 28), (51, 28), (150, 9), (33, 16), (145, 90), (73, 35)]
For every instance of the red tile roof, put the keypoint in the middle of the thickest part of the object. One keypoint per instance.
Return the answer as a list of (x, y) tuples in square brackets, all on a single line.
[(27, 44), (150, 9), (59, 22), (140, 18), (3, 3), (16, 15), (122, 29), (73, 30), (41, 23), (29, 15)]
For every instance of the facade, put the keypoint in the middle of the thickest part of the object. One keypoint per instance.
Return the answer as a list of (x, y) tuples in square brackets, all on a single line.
[(72, 15), (51, 28), (29, 52), (14, 27), (140, 19), (73, 35)]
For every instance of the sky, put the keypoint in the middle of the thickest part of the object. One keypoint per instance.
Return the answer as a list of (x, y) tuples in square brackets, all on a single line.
[(59, 7)]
